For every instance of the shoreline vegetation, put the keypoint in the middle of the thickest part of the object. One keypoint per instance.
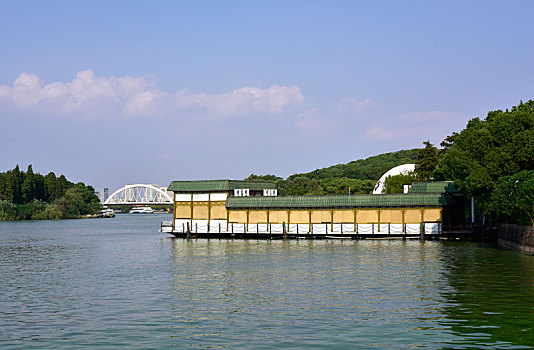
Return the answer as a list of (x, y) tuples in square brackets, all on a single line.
[(491, 159), (32, 196)]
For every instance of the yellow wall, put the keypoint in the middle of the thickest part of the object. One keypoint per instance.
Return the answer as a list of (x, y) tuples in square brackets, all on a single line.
[(299, 216), (257, 216), (278, 216), (200, 210), (182, 210), (392, 216), (237, 216), (412, 215), (320, 215), (344, 216), (367, 216), (218, 210), (432, 214)]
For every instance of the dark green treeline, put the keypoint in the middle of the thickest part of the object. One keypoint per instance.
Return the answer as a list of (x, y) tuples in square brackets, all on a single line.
[(28, 195), (359, 175)]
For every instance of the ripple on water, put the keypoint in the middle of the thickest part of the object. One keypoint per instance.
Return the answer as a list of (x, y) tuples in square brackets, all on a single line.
[(118, 283)]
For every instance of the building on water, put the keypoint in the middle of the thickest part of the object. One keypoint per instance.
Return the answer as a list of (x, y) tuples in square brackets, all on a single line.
[(231, 208)]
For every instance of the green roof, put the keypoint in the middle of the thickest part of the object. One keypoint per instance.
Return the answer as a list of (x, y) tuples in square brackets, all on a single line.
[(364, 200), (434, 186), (218, 185)]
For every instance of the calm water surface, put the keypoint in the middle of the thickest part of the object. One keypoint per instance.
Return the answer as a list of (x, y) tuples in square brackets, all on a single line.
[(116, 283)]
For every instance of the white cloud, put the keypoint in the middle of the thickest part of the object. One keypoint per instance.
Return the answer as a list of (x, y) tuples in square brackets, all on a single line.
[(353, 106), (311, 121), (87, 94)]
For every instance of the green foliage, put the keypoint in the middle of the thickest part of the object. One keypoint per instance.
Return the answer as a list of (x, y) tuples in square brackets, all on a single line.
[(8, 210), (360, 176), (28, 195), (28, 210), (485, 150), (268, 177), (371, 168), (395, 183), (341, 185), (50, 212), (298, 186), (427, 159), (78, 200), (513, 198), (301, 185)]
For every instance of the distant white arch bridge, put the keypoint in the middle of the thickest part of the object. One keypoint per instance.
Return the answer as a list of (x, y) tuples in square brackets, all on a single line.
[(139, 194)]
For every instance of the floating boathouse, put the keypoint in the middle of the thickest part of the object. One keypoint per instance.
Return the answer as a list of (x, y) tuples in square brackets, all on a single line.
[(252, 209)]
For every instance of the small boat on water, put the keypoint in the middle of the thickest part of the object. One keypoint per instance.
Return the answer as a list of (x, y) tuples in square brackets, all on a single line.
[(141, 210), (107, 213)]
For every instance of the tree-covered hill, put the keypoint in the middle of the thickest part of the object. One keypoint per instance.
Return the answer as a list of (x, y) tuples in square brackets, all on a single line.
[(363, 169), (359, 176)]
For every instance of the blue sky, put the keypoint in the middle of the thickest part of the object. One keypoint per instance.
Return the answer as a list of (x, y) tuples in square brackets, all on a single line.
[(116, 92)]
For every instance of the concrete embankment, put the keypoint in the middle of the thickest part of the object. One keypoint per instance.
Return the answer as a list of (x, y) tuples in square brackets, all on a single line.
[(517, 237)]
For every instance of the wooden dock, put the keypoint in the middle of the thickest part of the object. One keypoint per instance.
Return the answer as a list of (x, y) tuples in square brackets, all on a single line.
[(219, 232)]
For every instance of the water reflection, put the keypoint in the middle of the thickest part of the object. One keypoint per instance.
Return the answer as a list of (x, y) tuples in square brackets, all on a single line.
[(492, 302), (304, 293), (119, 284)]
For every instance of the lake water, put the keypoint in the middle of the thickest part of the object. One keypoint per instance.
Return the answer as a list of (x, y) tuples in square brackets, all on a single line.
[(118, 283)]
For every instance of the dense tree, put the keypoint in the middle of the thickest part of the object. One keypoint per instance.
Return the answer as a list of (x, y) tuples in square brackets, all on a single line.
[(427, 159), (513, 198), (62, 185), (29, 195), (360, 176), (15, 178), (341, 185), (28, 186), (395, 183), (485, 150), (51, 187), (299, 186), (268, 177), (77, 200), (371, 168), (447, 143), (304, 186)]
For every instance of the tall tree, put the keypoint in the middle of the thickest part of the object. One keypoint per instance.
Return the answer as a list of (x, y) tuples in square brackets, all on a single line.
[(427, 159), (15, 177), (62, 185), (28, 185), (512, 199), (51, 187), (395, 183), (500, 145)]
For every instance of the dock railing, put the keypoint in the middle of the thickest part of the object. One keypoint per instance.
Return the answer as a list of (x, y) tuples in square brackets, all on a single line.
[(166, 226)]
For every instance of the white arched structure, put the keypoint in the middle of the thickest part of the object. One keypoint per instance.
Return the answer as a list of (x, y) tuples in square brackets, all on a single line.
[(398, 170), (139, 194)]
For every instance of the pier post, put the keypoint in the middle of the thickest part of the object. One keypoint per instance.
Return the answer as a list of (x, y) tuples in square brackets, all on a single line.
[(422, 231)]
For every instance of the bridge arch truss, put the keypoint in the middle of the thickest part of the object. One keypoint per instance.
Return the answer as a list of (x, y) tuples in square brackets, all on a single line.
[(139, 194)]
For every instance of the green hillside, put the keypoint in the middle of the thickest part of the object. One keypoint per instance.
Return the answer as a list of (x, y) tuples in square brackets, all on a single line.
[(359, 176), (363, 169)]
